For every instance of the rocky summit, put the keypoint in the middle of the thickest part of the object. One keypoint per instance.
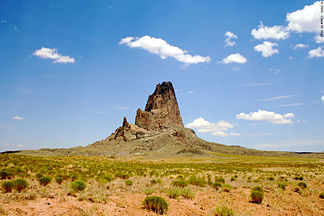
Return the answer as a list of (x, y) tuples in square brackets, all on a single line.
[(161, 116), (161, 110)]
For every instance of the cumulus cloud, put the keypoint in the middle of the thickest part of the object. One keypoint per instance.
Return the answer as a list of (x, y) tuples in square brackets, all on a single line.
[(18, 118), (306, 19), (322, 98), (319, 39), (230, 35), (217, 129), (266, 48), (47, 53), (275, 32), (263, 115), (161, 48), (316, 53), (234, 58), (300, 46), (20, 146)]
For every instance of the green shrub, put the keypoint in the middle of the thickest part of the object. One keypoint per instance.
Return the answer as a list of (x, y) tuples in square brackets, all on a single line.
[(322, 195), (257, 194), (39, 175), (216, 185), (271, 178), (257, 188), (148, 191), (153, 181), (109, 178), (301, 178), (74, 176), (156, 204), (59, 179), (173, 192), (179, 183), (187, 193), (302, 185), (78, 185), (45, 180), (222, 211), (282, 186), (3, 174), (7, 186), (122, 175), (20, 184), (220, 180), (227, 187), (193, 180), (129, 182)]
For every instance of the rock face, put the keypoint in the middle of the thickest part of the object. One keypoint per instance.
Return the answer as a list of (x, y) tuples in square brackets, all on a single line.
[(128, 132), (161, 110)]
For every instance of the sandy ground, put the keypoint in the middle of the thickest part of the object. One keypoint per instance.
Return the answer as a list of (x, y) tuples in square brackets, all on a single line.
[(125, 203)]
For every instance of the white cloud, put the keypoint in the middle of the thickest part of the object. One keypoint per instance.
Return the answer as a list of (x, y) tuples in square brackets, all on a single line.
[(234, 58), (47, 53), (306, 19), (235, 134), (191, 92), (289, 105), (20, 146), (322, 98), (121, 108), (258, 134), (160, 47), (277, 98), (275, 71), (316, 53), (319, 39), (216, 129), (290, 57), (7, 144), (300, 46), (3, 21), (275, 32), (230, 35), (263, 115), (266, 48), (293, 145), (18, 118)]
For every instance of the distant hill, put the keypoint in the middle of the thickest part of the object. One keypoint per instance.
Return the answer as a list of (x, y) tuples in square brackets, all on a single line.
[(158, 130)]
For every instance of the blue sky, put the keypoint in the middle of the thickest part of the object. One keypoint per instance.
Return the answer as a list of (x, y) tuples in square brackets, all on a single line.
[(246, 73)]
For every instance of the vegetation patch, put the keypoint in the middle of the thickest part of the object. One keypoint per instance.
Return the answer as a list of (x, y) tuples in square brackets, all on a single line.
[(156, 204), (222, 211), (7, 186), (78, 185), (257, 194)]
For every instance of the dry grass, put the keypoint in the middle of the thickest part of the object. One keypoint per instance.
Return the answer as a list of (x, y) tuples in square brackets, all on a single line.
[(102, 197)]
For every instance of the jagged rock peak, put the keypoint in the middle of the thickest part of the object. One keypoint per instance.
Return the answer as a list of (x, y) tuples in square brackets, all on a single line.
[(125, 123), (161, 110)]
